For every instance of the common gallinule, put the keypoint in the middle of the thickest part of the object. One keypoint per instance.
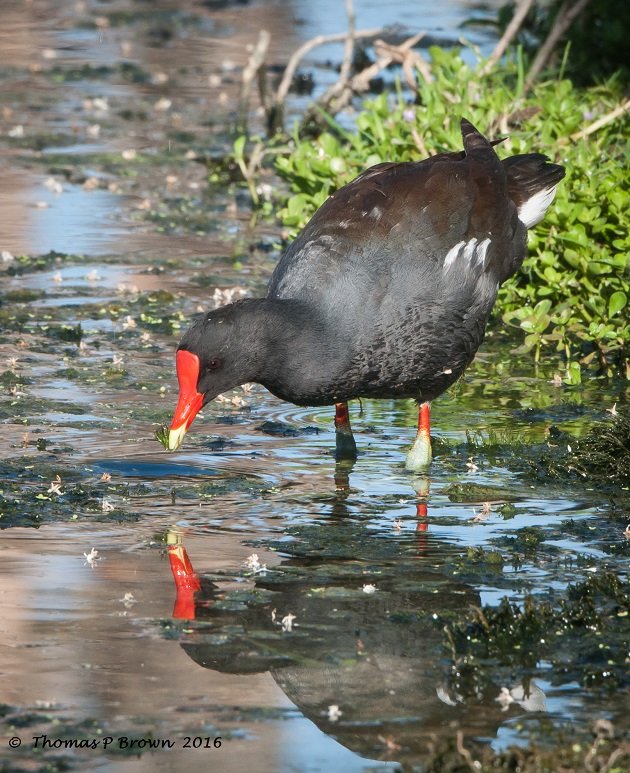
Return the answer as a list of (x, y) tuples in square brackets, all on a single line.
[(385, 293)]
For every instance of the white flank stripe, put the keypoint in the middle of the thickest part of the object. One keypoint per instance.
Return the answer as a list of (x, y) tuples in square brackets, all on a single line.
[(452, 254), (533, 210), (482, 250), (469, 249), (472, 251)]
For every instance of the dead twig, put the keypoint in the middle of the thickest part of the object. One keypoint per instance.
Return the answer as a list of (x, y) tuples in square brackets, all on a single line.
[(603, 121), (463, 751), (387, 54), (567, 14), (408, 58), (508, 36), (348, 54), (253, 66), (305, 48)]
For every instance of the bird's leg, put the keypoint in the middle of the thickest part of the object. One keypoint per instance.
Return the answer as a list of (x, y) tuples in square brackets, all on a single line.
[(346, 448), (419, 457)]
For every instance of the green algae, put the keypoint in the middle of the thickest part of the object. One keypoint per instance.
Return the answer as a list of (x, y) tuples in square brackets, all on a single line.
[(582, 634)]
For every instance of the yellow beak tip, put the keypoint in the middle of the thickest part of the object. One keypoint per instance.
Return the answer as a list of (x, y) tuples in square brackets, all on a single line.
[(176, 438)]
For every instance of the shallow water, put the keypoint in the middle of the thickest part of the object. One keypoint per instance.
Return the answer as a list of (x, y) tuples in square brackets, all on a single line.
[(107, 648)]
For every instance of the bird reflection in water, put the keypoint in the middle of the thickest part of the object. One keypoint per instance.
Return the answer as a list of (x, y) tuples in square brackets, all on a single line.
[(363, 654)]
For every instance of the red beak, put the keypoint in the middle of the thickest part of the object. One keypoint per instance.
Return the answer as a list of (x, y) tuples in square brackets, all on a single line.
[(190, 400)]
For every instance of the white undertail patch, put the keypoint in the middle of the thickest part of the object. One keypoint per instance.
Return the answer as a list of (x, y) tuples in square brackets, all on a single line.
[(533, 210)]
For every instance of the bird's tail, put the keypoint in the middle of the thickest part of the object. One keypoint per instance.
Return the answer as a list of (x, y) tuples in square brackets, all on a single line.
[(473, 138), (531, 184)]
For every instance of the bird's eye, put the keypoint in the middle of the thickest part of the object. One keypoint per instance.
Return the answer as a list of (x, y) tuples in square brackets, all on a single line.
[(215, 363)]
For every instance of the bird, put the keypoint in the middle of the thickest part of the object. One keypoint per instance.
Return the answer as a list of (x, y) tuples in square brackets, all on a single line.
[(385, 293)]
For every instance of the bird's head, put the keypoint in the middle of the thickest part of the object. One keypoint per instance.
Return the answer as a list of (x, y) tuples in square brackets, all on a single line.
[(218, 352)]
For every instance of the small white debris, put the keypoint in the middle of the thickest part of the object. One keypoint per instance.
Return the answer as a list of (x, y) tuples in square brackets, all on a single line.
[(626, 533), (100, 104), (91, 558), (556, 380), (105, 477), (505, 699), (369, 588), (93, 276), (49, 53), (265, 191), (443, 694), (90, 184), (118, 360), (128, 600), (234, 400), (214, 81), (397, 524), (613, 411), (55, 486), (273, 615), (93, 130), (334, 712), (53, 185), (46, 705), (160, 78), (12, 363), (221, 297), (6, 256), (287, 622), (57, 278), (472, 467), (129, 323), (253, 564), (483, 514), (162, 104), (129, 154), (17, 132), (107, 506)]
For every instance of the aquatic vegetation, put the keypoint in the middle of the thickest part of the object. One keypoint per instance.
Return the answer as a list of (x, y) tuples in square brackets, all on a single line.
[(582, 635), (601, 457)]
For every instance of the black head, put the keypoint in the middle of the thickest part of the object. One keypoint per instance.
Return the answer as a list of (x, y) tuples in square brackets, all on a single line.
[(221, 350)]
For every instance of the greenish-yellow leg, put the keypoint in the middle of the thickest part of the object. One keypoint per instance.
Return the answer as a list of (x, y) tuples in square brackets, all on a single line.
[(345, 448), (419, 457)]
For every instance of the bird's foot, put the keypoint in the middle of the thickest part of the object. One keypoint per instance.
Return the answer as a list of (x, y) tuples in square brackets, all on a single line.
[(345, 447), (420, 455)]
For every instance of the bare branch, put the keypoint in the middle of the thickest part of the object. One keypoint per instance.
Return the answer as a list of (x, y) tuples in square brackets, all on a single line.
[(387, 54), (603, 121), (346, 65), (568, 12), (305, 48), (256, 61), (510, 33)]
